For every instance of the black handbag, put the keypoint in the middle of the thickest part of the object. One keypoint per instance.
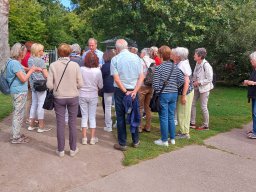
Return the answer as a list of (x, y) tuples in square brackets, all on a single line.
[(155, 100), (40, 85), (49, 99)]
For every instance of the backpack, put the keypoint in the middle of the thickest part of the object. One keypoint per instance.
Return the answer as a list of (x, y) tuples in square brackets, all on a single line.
[(4, 85), (148, 81)]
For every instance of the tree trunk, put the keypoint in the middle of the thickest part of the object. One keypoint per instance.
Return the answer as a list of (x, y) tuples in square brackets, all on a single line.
[(4, 35)]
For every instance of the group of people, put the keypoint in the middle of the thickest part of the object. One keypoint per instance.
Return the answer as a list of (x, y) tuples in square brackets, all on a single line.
[(119, 73)]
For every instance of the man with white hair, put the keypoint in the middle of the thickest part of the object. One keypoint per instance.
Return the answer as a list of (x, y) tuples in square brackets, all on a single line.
[(128, 75), (92, 44)]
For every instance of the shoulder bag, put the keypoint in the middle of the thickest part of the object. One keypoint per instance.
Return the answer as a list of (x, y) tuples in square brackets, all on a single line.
[(49, 99), (155, 100)]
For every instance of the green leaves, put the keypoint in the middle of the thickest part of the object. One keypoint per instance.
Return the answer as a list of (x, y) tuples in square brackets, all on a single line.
[(44, 21), (226, 28), (25, 22)]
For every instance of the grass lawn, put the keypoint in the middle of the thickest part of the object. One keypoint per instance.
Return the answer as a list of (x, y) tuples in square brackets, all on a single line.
[(228, 108), (5, 105)]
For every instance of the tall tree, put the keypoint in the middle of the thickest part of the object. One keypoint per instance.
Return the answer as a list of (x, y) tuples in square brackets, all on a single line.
[(25, 22), (4, 45)]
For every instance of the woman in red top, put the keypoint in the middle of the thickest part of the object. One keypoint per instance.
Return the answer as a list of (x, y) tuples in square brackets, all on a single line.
[(154, 55)]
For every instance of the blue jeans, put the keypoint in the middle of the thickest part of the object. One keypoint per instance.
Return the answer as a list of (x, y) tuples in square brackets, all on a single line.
[(121, 119), (254, 115), (166, 115)]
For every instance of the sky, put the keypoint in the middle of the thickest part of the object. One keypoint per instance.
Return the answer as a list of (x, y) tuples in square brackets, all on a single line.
[(66, 3)]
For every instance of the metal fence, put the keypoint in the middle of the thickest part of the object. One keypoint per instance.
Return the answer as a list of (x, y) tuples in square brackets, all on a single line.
[(50, 56)]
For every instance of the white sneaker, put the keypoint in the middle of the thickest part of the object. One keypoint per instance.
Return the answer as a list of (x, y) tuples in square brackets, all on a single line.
[(108, 129), (60, 153), (39, 130), (73, 153), (94, 140), (32, 128), (173, 141), (84, 141), (160, 142)]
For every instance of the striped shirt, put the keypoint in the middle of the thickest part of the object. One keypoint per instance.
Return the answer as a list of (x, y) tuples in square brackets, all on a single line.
[(161, 74)]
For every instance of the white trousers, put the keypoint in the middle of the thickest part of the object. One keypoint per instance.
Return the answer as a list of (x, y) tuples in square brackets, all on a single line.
[(108, 104), (36, 110), (88, 110)]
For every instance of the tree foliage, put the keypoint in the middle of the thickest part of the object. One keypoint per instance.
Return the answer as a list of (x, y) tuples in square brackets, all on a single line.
[(25, 22), (44, 21), (226, 28)]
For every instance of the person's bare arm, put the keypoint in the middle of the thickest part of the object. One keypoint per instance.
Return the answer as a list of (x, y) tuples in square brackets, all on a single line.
[(24, 78), (119, 83), (185, 90), (138, 85)]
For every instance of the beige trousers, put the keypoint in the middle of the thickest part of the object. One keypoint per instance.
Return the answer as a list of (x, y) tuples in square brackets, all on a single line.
[(145, 94)]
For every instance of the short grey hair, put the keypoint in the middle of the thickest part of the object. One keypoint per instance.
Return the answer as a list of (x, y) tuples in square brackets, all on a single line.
[(146, 51), (16, 50), (76, 48), (121, 44), (92, 39), (201, 52), (253, 56), (181, 52)]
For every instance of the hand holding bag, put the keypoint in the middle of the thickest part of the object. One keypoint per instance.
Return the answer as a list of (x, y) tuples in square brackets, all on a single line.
[(49, 99), (155, 100)]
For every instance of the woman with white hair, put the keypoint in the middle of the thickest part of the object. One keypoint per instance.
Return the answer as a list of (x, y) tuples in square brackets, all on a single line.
[(251, 83), (17, 79), (186, 93), (76, 57), (76, 54), (38, 97)]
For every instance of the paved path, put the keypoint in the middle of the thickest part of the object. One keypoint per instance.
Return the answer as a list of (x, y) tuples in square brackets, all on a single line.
[(225, 163), (35, 167)]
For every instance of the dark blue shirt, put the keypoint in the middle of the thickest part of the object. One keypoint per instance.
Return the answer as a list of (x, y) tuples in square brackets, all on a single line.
[(108, 81), (77, 59)]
